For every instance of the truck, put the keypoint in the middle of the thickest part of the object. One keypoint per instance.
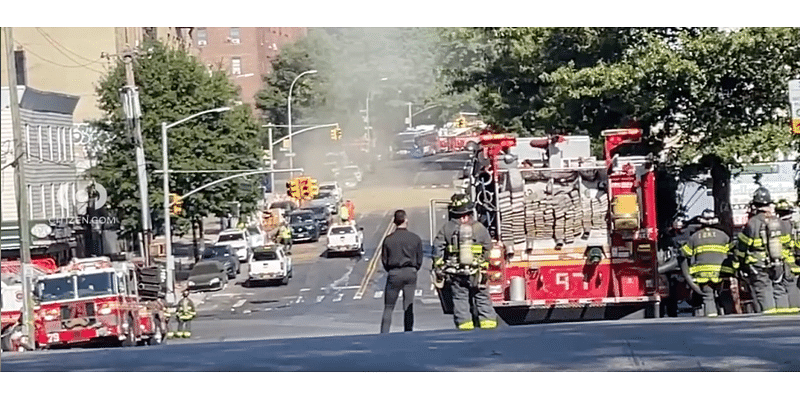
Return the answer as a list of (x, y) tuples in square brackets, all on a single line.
[(574, 238), (96, 300), (12, 300)]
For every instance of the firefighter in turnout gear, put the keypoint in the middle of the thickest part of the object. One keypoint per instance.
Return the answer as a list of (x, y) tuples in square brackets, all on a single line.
[(461, 257), (763, 251), (284, 237), (186, 313), (707, 252), (791, 271)]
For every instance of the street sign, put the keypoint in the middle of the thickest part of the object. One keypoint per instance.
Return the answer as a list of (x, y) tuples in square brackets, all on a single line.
[(794, 102)]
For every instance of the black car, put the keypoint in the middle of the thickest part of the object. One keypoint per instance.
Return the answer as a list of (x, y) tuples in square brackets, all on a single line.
[(226, 256), (323, 216), (207, 275), (304, 226)]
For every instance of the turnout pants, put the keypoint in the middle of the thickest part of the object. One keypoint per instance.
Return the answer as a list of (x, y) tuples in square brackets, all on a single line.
[(768, 289), (463, 292), (184, 328), (405, 279), (792, 285)]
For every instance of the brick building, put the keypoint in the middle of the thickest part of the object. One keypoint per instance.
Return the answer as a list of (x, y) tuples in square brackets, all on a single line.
[(246, 53)]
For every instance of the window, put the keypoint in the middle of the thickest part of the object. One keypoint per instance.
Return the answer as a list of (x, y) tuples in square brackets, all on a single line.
[(236, 66), (234, 35), (342, 231), (53, 200), (202, 37), (95, 284), (19, 62)]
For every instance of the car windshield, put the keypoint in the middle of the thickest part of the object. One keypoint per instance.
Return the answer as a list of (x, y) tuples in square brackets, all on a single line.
[(52, 289), (204, 268), (302, 218), (95, 284), (230, 237), (216, 251), (317, 210), (282, 204), (342, 230), (265, 256), (253, 231), (322, 195), (328, 188)]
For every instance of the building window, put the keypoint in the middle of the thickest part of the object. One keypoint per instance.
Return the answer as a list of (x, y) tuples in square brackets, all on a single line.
[(236, 66), (234, 35), (19, 62), (202, 37), (42, 201), (53, 200)]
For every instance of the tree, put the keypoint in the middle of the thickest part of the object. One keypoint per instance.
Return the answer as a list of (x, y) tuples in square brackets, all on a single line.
[(173, 85)]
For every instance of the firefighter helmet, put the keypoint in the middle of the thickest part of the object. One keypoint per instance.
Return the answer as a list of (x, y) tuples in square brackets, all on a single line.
[(782, 206), (708, 217), (761, 196), (679, 222), (460, 204)]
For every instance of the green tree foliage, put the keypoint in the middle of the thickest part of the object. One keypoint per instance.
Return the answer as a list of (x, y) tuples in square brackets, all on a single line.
[(173, 85)]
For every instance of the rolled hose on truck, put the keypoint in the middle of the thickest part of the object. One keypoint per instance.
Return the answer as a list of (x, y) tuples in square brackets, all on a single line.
[(672, 265)]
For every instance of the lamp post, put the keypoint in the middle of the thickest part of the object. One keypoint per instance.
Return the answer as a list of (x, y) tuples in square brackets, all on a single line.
[(167, 222), (289, 111)]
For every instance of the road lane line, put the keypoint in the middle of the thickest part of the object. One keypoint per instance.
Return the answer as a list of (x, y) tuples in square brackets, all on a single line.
[(305, 289), (320, 298), (268, 309), (239, 303), (338, 297), (357, 296), (299, 300), (340, 287), (373, 263), (432, 287)]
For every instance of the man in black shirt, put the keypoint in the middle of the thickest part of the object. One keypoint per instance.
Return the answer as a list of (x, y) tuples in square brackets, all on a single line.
[(401, 255)]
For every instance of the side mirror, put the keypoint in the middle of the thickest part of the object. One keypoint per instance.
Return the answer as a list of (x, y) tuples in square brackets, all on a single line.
[(361, 228)]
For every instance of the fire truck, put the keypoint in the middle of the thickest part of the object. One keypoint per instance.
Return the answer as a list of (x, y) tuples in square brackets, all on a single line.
[(12, 299), (96, 300), (574, 238)]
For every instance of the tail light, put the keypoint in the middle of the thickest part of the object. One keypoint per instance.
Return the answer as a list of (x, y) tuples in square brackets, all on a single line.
[(107, 308)]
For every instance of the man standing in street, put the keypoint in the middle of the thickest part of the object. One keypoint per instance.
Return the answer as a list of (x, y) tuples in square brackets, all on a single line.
[(186, 313), (401, 256), (461, 255)]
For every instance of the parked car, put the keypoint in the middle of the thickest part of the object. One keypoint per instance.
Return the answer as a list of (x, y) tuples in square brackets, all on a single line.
[(304, 226), (353, 170), (270, 263), (225, 254), (257, 236), (207, 275), (334, 189), (238, 240), (323, 216), (326, 198), (345, 238)]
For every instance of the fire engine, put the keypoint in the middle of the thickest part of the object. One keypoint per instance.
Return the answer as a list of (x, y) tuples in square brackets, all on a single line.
[(95, 299), (13, 300), (574, 238)]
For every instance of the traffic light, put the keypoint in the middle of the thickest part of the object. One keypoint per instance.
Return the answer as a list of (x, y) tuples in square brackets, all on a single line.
[(314, 187), (293, 188), (305, 188), (461, 122), (176, 202), (336, 134)]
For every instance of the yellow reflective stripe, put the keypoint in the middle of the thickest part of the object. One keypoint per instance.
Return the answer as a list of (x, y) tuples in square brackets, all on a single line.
[(451, 248), (488, 324), (477, 248), (757, 242), (438, 261), (745, 239), (796, 270), (785, 239), (687, 250), (465, 326), (727, 270), (695, 269), (711, 248)]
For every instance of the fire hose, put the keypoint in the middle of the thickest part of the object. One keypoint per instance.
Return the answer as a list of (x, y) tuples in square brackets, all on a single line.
[(673, 264)]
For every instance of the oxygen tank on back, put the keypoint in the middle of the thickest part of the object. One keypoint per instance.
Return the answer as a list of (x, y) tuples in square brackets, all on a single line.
[(465, 256)]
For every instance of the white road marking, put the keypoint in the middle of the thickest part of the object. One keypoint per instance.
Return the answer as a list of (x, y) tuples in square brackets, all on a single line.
[(418, 293), (299, 300), (432, 287), (425, 300), (338, 297), (357, 296), (378, 293), (320, 298), (239, 303), (246, 312), (340, 287), (231, 294), (400, 294), (268, 309), (305, 289)]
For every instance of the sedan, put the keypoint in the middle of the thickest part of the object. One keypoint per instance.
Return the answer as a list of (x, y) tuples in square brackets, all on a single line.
[(226, 256), (207, 275)]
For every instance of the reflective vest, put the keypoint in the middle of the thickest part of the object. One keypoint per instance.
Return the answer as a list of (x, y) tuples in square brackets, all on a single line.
[(285, 233), (186, 309), (707, 254), (447, 248), (751, 250), (344, 213)]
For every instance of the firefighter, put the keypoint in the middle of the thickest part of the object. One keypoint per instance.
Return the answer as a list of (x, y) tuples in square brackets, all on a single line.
[(170, 312), (791, 269), (461, 250), (284, 237), (344, 213), (706, 252), (186, 312), (762, 251), (351, 210), (677, 236)]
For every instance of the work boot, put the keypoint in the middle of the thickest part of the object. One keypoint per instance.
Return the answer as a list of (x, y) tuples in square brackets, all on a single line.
[(488, 324), (171, 335), (466, 326)]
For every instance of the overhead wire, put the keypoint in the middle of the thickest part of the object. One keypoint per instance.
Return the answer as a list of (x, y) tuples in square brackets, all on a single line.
[(56, 43), (86, 66)]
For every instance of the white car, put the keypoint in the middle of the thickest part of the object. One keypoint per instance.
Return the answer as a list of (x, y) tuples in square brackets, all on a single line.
[(238, 240), (270, 263), (345, 238), (354, 171), (334, 188), (257, 237)]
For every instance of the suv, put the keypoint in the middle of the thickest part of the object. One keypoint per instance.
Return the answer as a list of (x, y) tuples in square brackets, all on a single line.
[(345, 238), (335, 190), (327, 199), (239, 240), (323, 216), (304, 226)]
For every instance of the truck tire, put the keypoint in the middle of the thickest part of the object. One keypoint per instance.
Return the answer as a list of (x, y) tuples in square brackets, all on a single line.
[(157, 337), (130, 336), (285, 280)]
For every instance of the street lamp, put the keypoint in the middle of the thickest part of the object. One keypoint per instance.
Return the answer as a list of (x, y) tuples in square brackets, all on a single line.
[(369, 128), (289, 111), (167, 222)]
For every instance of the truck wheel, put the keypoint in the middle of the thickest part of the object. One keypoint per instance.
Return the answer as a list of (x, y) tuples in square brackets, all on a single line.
[(130, 336), (158, 334), (285, 280)]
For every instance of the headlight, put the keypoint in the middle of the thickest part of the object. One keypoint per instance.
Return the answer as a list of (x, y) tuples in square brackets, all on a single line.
[(215, 280), (191, 283)]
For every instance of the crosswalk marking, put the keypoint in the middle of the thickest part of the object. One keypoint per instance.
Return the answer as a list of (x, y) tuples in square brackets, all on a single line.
[(239, 303), (338, 297), (299, 300), (357, 296), (320, 298)]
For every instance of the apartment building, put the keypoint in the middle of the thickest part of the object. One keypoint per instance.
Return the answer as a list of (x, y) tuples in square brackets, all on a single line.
[(246, 53)]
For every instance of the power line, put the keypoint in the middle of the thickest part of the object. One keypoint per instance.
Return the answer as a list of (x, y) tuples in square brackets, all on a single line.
[(57, 64), (56, 43)]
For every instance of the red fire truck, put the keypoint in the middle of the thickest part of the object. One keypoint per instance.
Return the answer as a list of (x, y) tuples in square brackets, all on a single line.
[(574, 237), (95, 299), (11, 332)]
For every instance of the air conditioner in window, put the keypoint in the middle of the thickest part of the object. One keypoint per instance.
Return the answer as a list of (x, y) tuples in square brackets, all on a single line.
[(235, 40), (201, 43)]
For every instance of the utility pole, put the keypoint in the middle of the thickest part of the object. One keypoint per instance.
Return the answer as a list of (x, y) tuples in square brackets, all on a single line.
[(133, 114), (271, 165), (22, 193)]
